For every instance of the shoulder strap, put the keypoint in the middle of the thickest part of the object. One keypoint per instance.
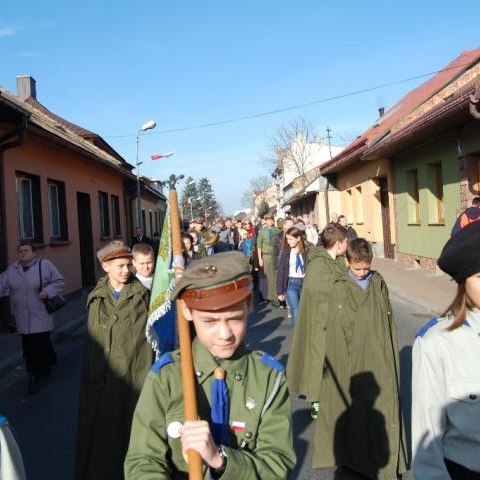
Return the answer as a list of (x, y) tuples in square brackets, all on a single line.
[(40, 274)]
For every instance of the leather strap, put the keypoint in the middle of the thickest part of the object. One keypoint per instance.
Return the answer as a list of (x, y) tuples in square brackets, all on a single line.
[(212, 292)]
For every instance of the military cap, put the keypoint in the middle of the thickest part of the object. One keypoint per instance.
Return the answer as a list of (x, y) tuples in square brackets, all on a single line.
[(460, 257), (215, 282), (112, 250)]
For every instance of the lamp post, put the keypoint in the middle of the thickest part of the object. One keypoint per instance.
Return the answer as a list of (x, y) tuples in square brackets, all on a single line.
[(146, 126)]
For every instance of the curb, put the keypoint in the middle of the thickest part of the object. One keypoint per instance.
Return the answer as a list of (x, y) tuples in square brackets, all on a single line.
[(57, 336), (400, 294)]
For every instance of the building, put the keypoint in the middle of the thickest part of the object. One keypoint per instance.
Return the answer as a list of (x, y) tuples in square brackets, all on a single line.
[(63, 188)]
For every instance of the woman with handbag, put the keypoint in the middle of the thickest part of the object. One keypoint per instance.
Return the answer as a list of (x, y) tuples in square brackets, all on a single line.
[(29, 283)]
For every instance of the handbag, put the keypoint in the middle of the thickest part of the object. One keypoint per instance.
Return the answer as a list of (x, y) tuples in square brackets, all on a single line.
[(54, 303)]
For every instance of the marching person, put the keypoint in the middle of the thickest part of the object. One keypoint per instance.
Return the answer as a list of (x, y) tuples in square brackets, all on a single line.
[(359, 423), (117, 358), (252, 437), (11, 461), (143, 262), (266, 257), (291, 270), (446, 372), (22, 282), (307, 354)]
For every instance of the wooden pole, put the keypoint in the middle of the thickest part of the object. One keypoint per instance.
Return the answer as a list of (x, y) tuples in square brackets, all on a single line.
[(195, 464)]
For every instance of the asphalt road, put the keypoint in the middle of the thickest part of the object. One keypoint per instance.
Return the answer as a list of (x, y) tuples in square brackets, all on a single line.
[(45, 423)]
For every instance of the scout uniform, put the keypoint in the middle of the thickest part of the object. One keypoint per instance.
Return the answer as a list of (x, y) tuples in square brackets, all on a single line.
[(258, 431), (266, 242), (446, 374), (116, 361)]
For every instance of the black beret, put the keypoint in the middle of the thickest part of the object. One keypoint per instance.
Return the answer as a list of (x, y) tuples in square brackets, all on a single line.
[(460, 257)]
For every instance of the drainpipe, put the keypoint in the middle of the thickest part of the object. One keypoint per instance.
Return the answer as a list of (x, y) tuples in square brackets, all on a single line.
[(6, 143)]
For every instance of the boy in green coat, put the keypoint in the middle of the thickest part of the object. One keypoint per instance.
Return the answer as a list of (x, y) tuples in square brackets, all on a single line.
[(251, 437), (359, 424), (117, 358), (307, 353)]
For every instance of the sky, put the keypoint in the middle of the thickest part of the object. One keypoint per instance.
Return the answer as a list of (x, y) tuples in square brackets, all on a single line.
[(112, 65)]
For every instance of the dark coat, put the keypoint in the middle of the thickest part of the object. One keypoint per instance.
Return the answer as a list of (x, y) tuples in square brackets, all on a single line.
[(284, 268), (360, 422), (307, 353), (117, 359)]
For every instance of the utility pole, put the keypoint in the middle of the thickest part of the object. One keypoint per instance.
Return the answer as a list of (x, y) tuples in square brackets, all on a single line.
[(329, 138)]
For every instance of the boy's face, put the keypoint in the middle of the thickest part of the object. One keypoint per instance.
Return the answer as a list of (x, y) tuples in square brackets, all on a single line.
[(221, 331), (269, 222), (359, 269), (118, 270), (143, 264)]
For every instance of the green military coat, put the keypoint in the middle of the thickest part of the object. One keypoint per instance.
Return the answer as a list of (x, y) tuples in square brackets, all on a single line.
[(117, 359), (260, 447), (307, 353), (360, 422), (266, 241)]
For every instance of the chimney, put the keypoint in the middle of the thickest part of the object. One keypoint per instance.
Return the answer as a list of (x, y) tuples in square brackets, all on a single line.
[(26, 87), (381, 111)]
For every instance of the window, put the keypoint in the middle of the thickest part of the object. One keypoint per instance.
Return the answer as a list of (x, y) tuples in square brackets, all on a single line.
[(29, 218), (144, 224), (436, 211), (57, 211), (413, 197), (117, 228), (349, 209), (150, 218), (358, 205), (104, 216)]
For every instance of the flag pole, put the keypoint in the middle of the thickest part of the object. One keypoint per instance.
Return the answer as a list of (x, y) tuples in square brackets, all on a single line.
[(195, 466)]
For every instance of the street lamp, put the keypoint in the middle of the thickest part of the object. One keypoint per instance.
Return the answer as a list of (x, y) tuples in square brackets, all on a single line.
[(146, 126)]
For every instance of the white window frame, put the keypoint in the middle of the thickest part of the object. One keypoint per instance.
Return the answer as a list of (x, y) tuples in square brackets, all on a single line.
[(22, 204), (54, 210)]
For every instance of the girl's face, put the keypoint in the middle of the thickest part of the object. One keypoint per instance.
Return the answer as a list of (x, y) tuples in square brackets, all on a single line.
[(187, 243), (244, 236), (472, 288), (292, 241)]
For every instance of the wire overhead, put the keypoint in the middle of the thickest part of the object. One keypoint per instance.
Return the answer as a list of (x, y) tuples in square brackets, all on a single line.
[(292, 107)]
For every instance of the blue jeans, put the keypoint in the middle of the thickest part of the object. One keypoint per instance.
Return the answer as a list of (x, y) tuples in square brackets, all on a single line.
[(294, 290)]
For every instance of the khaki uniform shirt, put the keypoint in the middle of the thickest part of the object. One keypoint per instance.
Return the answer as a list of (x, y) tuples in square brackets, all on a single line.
[(260, 434), (266, 240)]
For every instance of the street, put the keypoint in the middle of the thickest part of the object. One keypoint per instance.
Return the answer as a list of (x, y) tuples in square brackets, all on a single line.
[(45, 423)]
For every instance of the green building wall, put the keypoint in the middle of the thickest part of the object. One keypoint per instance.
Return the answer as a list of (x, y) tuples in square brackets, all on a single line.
[(426, 238)]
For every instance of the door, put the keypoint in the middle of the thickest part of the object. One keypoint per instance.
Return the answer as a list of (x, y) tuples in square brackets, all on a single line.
[(387, 239), (87, 258)]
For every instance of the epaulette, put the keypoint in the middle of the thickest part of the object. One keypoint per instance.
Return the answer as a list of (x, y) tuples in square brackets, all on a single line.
[(423, 330), (3, 420), (272, 362), (165, 359)]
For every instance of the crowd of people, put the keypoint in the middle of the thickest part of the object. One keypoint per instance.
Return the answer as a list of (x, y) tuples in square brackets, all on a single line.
[(343, 360)]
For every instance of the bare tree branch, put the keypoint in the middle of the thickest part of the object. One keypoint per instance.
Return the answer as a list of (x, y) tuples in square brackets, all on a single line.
[(291, 146)]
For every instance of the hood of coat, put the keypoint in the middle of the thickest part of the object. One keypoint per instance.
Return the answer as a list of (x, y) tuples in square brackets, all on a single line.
[(132, 287)]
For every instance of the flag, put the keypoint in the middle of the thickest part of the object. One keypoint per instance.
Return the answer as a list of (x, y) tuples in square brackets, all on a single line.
[(161, 325), (163, 155)]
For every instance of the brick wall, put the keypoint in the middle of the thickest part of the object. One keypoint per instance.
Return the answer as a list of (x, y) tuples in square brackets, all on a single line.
[(418, 262)]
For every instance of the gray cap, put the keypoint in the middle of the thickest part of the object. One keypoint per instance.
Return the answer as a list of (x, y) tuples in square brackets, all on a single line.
[(215, 282)]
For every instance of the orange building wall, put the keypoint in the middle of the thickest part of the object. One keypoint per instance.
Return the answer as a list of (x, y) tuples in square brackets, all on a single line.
[(49, 161)]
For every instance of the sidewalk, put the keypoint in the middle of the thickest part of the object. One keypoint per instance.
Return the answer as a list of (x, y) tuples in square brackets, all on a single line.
[(428, 290), (422, 288), (66, 321)]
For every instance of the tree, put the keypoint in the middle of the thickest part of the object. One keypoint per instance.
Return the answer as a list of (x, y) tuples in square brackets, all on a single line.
[(292, 146), (206, 204), (257, 186), (189, 194)]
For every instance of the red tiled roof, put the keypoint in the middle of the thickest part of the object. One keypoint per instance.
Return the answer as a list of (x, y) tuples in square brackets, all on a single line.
[(455, 107), (406, 105)]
